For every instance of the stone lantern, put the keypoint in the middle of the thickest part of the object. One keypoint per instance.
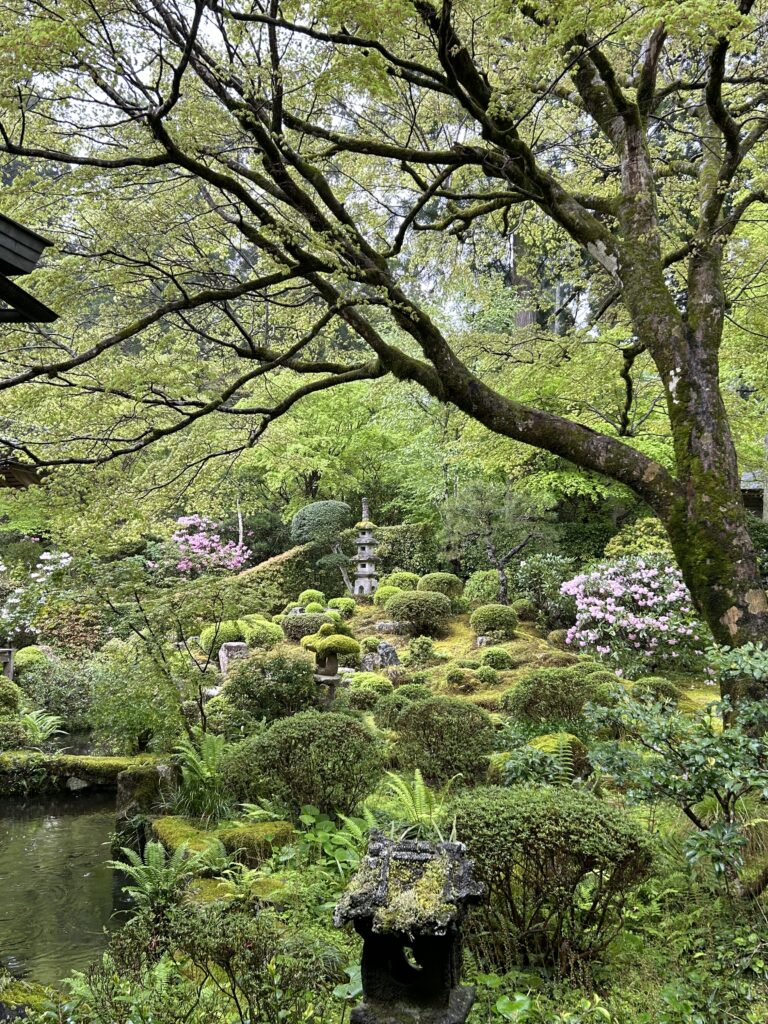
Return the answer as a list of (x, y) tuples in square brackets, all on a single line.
[(366, 580), (407, 902)]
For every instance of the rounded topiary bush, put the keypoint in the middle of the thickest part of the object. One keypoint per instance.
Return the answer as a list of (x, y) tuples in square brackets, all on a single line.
[(10, 698), (325, 759), (372, 682), (415, 691), (387, 710), (460, 680), (272, 685), (558, 638), (229, 631), (402, 580), (384, 593), (482, 587), (441, 583), (337, 645), (498, 658), (558, 866), (444, 737), (259, 633), (312, 597), (657, 688), (486, 675), (345, 606), (297, 626), (224, 719), (28, 657), (423, 611), (550, 695), (314, 608), (498, 621), (525, 609)]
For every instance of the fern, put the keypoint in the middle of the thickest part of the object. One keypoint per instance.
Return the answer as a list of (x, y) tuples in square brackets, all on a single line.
[(40, 726), (418, 806), (156, 880), (564, 763), (201, 792)]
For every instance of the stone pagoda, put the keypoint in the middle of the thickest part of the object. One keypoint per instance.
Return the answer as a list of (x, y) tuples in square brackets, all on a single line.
[(366, 580)]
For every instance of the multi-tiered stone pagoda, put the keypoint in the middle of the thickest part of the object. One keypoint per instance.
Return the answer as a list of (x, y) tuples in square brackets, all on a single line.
[(366, 580)]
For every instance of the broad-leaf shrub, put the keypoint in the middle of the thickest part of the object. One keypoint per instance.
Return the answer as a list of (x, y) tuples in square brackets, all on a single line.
[(656, 688), (201, 547), (13, 735), (62, 687), (272, 685), (540, 578), (497, 621), (328, 760), (636, 614), (424, 612), (558, 865), (705, 768), (444, 737)]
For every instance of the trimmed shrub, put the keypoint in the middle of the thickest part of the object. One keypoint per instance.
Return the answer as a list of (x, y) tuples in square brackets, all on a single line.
[(370, 644), (487, 676), (372, 682), (346, 648), (314, 608), (259, 633), (441, 583), (494, 620), (272, 685), (498, 658), (550, 695), (657, 688), (26, 658), (402, 580), (329, 760), (321, 522), (423, 611), (459, 605), (558, 638), (540, 578), (357, 700), (444, 737), (525, 609), (311, 597), (384, 593), (12, 735), (388, 709), (558, 865), (415, 691), (297, 626), (482, 587), (345, 606), (460, 680), (10, 698), (226, 632), (421, 651)]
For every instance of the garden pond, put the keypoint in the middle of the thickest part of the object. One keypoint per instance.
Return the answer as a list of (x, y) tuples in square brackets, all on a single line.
[(58, 895)]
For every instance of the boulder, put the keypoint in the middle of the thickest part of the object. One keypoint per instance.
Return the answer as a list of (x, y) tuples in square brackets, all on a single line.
[(231, 652)]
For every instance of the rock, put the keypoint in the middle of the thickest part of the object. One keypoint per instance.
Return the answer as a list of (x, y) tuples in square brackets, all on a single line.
[(390, 627), (388, 654), (483, 641), (231, 652), (74, 785), (296, 610), (385, 656)]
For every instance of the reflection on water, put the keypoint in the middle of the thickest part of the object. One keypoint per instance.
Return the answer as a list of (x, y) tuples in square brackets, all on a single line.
[(57, 894)]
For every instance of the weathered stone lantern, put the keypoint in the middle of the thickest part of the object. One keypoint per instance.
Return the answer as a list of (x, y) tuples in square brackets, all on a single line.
[(366, 580), (407, 902)]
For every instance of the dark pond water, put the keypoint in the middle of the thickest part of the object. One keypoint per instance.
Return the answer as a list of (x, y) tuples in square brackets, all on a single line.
[(57, 894)]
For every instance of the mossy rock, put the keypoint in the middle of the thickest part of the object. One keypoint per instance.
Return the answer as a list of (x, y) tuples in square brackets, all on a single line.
[(252, 842), (16, 997), (27, 772)]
